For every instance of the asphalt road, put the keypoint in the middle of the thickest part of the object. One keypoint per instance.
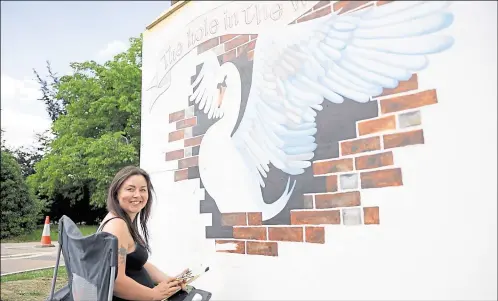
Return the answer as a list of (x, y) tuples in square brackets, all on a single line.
[(18, 257)]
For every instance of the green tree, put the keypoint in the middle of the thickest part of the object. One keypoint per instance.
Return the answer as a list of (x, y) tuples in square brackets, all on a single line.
[(3, 146), (99, 131), (28, 157), (49, 87), (20, 209)]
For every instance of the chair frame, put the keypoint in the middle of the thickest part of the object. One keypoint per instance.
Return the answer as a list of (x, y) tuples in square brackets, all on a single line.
[(57, 263)]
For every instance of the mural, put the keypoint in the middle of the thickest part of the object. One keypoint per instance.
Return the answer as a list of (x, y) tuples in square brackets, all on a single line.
[(286, 127)]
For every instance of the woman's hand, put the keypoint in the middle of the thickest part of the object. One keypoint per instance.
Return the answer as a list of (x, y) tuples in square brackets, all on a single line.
[(183, 283), (166, 289)]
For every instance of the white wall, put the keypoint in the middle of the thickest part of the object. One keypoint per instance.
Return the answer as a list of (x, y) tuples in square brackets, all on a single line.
[(437, 236)]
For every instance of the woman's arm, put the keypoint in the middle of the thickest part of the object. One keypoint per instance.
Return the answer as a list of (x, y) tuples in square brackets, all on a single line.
[(124, 286), (155, 274)]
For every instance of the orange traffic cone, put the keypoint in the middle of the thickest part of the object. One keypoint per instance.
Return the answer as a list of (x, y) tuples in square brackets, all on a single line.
[(45, 240)]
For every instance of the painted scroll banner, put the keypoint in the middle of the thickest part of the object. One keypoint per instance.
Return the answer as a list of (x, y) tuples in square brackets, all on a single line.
[(229, 18)]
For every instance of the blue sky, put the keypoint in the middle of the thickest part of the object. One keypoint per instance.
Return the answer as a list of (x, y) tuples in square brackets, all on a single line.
[(61, 32)]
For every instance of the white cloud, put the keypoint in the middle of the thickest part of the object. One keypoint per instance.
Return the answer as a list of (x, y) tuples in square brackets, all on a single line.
[(23, 115), (112, 49), (19, 90)]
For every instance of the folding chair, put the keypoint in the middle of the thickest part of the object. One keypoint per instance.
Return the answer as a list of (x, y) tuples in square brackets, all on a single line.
[(91, 265)]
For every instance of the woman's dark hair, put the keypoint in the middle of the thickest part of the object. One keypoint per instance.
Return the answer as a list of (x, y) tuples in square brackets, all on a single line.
[(114, 207)]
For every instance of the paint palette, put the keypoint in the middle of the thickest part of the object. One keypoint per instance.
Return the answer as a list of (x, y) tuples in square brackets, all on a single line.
[(185, 276), (191, 275)]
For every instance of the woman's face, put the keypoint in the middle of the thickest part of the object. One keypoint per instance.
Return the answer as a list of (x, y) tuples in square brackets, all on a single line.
[(133, 195)]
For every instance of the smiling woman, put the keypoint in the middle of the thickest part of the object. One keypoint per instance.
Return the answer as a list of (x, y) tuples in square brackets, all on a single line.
[(129, 200)]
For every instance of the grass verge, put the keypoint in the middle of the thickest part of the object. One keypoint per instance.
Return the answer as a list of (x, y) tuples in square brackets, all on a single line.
[(44, 273), (36, 235), (31, 286)]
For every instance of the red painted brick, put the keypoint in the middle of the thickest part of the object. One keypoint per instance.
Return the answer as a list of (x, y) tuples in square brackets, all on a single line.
[(377, 125), (404, 86), (257, 233), (348, 5), (285, 233), (254, 218), (175, 116), (236, 42), (371, 215), (193, 141), (360, 145), (321, 4), (254, 36), (403, 139), (332, 166), (188, 162), (176, 135), (185, 123), (227, 37), (211, 43), (174, 155), (307, 12), (262, 248), (250, 55), (233, 219), (315, 217), (245, 48), (315, 235), (334, 200), (229, 56), (379, 3), (181, 175), (240, 246), (374, 161), (406, 102), (315, 14), (331, 183), (381, 178)]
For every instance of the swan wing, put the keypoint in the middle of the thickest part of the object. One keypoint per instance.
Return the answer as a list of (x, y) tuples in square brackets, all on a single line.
[(204, 91), (354, 55)]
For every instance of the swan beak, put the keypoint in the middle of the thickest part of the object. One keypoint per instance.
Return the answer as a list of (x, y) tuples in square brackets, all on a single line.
[(220, 96)]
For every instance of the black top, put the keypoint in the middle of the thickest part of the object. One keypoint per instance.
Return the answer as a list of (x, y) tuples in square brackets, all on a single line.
[(135, 265)]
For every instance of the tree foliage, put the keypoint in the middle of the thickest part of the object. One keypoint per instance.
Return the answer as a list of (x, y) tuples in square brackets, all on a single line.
[(28, 157), (98, 130), (20, 209), (55, 106), (3, 146)]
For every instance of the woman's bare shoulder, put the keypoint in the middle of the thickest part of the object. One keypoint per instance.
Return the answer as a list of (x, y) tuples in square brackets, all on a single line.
[(117, 226)]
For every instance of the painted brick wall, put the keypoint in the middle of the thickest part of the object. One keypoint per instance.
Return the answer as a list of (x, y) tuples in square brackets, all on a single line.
[(365, 162)]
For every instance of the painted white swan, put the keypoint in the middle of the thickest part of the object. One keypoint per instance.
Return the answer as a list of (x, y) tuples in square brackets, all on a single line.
[(353, 55)]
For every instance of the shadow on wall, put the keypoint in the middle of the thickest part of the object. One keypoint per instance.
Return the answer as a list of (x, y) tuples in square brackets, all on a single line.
[(336, 122)]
